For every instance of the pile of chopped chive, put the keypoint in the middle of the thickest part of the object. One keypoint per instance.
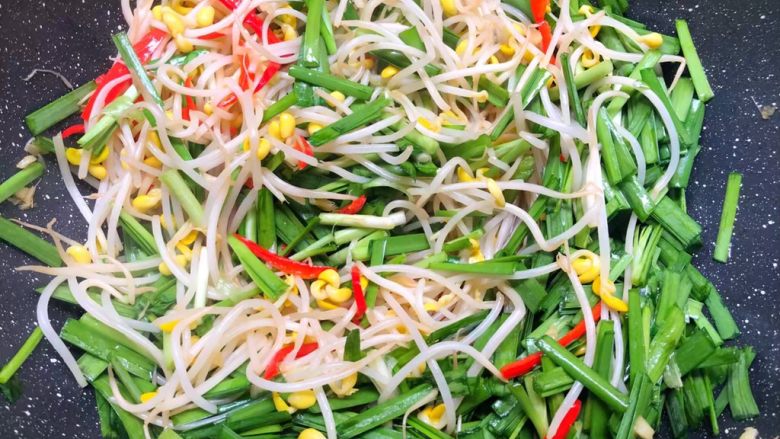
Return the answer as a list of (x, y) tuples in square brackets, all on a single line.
[(577, 348)]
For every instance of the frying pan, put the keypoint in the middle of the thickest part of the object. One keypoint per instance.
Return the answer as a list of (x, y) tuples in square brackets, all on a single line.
[(738, 42)]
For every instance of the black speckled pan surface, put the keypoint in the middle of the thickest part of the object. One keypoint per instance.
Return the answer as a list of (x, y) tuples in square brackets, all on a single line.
[(739, 43)]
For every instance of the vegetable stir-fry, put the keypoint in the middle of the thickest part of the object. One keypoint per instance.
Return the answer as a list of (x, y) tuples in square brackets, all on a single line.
[(375, 219)]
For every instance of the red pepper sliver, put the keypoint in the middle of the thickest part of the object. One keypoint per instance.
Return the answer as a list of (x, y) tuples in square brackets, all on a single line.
[(539, 9), (189, 102), (354, 207), (281, 263), (272, 370), (144, 49), (357, 291), (211, 36), (568, 420), (522, 366), (526, 364), (303, 145), (73, 129), (579, 330), (544, 28)]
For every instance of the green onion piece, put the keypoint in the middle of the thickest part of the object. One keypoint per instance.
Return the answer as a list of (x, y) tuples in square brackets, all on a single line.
[(743, 405), (19, 180), (311, 36), (265, 279), (551, 382), (401, 61), (682, 97), (416, 138), (462, 242), (44, 144), (528, 93), (637, 350), (637, 197), (302, 234), (693, 351), (586, 77), (402, 244), (675, 221), (352, 350), (279, 106), (127, 381), (597, 384), (361, 397), (29, 243), (703, 89), (727, 217), (487, 268), (450, 38), (675, 408), (326, 31), (95, 138), (366, 114), (649, 77), (126, 51), (694, 311), (596, 414), (138, 233), (179, 189), (571, 89), (497, 95), (266, 221), (727, 327), (331, 82), (133, 426), (87, 339), (649, 60), (21, 355), (683, 173), (248, 227), (538, 417), (49, 115), (382, 412), (663, 344), (638, 400)]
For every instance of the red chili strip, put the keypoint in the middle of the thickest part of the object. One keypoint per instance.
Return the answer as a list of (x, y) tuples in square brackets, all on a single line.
[(303, 145), (357, 291), (354, 207), (73, 129), (144, 49), (272, 370), (189, 102), (568, 421), (281, 263), (539, 9), (526, 364)]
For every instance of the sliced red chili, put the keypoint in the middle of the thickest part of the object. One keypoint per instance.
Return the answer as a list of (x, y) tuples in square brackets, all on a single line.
[(144, 49), (303, 145), (522, 366), (272, 370), (73, 129), (189, 102), (281, 263), (526, 364), (357, 292), (354, 207), (544, 28), (539, 9), (568, 421)]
